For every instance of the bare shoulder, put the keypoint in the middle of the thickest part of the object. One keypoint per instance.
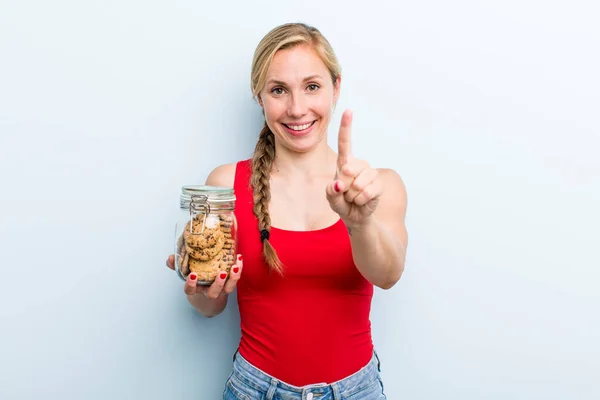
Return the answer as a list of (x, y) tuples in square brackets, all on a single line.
[(223, 175)]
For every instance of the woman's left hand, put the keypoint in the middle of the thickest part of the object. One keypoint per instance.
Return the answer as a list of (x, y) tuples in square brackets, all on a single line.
[(356, 191)]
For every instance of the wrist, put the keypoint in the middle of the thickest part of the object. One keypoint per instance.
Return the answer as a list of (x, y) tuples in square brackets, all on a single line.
[(362, 226)]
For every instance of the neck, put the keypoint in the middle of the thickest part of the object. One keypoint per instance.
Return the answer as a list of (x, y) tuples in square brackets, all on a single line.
[(321, 160)]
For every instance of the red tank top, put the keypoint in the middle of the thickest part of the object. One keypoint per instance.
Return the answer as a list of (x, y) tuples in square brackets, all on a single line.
[(312, 324)]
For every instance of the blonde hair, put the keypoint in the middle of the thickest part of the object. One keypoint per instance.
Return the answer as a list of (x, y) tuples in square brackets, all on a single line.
[(282, 37)]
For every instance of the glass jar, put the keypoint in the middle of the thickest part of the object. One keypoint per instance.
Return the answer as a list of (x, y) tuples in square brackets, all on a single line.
[(206, 232)]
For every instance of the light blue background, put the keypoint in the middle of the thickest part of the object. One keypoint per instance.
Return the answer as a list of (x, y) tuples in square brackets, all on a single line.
[(488, 109)]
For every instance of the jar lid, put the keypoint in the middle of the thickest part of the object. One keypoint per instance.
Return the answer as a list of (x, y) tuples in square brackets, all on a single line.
[(213, 195)]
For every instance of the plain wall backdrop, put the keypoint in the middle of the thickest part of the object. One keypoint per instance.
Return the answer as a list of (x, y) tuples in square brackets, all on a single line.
[(487, 109)]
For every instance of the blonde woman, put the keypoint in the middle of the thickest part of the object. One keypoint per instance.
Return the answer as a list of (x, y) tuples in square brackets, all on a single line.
[(317, 230)]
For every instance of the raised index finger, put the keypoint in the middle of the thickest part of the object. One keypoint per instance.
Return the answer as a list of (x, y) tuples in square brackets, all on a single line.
[(344, 138)]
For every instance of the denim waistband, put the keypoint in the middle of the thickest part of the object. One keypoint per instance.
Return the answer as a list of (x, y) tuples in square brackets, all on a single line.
[(259, 380)]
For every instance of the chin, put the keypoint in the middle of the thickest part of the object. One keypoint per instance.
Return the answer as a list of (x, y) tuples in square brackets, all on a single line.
[(304, 146)]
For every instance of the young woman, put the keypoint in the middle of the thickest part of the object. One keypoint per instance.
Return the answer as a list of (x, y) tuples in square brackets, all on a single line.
[(317, 230)]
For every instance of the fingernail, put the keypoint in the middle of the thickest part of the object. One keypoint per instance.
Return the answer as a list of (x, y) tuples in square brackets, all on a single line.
[(193, 277), (223, 275), (236, 270), (336, 187), (240, 257)]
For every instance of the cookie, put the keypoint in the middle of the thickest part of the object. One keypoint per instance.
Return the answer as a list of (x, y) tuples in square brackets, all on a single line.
[(228, 260), (206, 253), (226, 218), (179, 244), (184, 266), (209, 238), (207, 246), (199, 221), (208, 270)]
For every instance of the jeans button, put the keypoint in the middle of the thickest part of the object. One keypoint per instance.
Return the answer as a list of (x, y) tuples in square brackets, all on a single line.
[(309, 396)]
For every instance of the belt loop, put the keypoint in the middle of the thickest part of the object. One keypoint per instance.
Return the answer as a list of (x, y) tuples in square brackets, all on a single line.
[(336, 392), (272, 388)]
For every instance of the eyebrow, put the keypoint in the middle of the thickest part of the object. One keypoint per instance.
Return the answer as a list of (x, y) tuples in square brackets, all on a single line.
[(308, 78)]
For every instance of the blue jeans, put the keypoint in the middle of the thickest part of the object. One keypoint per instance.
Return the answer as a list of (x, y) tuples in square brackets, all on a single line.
[(247, 382)]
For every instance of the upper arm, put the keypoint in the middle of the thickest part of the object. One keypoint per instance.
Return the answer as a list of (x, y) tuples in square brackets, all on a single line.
[(391, 210), (223, 175)]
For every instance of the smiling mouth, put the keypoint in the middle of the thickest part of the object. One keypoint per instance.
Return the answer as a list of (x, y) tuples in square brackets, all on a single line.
[(300, 128)]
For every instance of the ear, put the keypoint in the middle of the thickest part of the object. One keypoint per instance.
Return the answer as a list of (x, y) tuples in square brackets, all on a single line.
[(336, 89), (260, 100)]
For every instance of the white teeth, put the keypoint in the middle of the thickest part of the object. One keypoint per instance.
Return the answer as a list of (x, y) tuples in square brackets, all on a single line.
[(299, 127)]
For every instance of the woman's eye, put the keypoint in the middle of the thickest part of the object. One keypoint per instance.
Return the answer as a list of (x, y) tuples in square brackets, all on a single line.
[(312, 87), (277, 91)]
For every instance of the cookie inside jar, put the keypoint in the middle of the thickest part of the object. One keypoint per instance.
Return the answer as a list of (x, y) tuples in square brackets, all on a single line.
[(205, 235)]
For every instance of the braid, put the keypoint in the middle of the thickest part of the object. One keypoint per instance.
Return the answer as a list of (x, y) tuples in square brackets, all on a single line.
[(262, 162)]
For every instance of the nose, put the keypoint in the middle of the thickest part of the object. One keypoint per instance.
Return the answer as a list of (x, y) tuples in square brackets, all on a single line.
[(298, 106)]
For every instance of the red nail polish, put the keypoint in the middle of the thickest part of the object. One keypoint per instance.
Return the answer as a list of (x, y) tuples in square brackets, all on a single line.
[(223, 275), (240, 257), (193, 277), (236, 270), (336, 186)]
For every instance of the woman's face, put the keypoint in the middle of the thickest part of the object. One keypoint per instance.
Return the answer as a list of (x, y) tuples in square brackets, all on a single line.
[(298, 98)]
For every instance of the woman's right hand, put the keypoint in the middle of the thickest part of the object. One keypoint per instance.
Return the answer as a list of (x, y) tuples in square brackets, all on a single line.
[(222, 285)]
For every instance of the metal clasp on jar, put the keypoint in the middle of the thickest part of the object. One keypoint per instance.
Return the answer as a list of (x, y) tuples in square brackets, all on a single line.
[(199, 203)]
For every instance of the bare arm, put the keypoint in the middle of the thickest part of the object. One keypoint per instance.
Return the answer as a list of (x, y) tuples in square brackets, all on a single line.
[(379, 242), (372, 204), (206, 302)]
